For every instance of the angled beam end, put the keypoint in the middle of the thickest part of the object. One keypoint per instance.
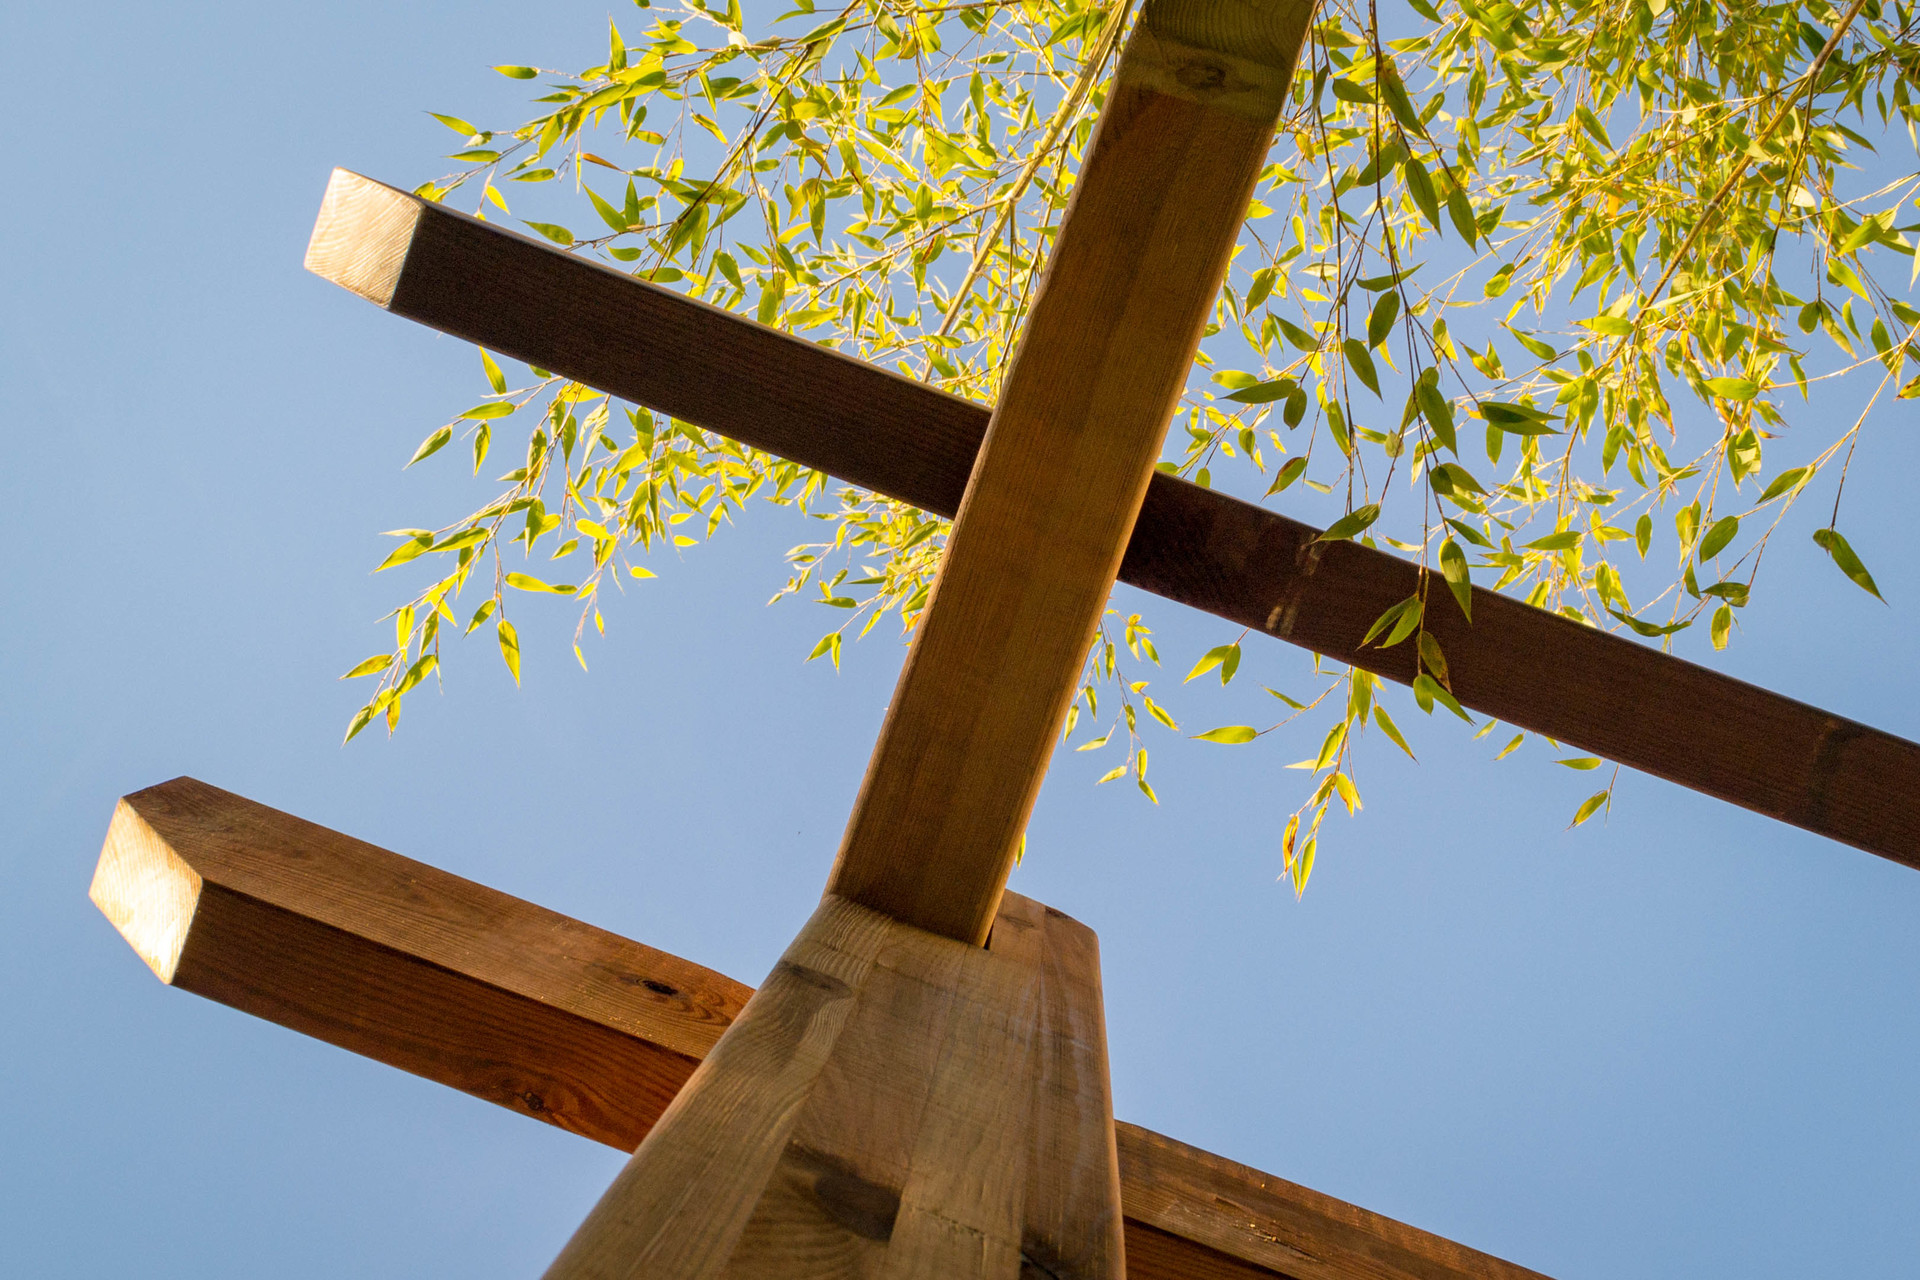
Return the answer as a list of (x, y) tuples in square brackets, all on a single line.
[(146, 889), (361, 239)]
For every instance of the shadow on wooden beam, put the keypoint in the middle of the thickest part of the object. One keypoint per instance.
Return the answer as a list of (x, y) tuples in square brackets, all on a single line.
[(581, 1028)]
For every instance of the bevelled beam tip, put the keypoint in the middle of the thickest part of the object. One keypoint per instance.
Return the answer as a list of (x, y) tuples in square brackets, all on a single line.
[(361, 238)]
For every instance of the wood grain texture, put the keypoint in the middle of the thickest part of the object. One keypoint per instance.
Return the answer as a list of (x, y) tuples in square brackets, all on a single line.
[(1254, 1217), (871, 1115), (1602, 693), (395, 969), (402, 962), (1059, 479)]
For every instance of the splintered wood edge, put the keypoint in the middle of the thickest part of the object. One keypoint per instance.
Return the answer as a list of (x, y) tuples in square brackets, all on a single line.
[(146, 890), (361, 238)]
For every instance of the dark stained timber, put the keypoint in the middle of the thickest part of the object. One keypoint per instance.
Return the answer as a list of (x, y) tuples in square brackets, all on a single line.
[(779, 393)]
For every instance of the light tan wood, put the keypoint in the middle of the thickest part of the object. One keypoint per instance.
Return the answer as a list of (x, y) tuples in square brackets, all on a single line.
[(1068, 454), (537, 1024), (361, 238), (878, 1111)]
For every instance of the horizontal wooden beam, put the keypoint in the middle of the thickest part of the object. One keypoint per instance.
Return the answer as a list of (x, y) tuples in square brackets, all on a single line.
[(570, 1024), (1599, 692)]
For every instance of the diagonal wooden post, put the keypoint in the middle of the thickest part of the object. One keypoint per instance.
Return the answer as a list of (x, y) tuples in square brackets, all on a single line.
[(901, 1099), (1060, 477)]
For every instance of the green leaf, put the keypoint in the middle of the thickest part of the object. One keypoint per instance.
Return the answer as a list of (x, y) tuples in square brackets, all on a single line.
[(1611, 326), (431, 445), (1230, 734), (1451, 477), (378, 662), (1226, 657), (509, 647), (492, 409), (456, 124), (411, 549), (1265, 392), (527, 582), (1352, 523), (1591, 123), (1722, 625), (1643, 533), (1581, 762), (1520, 419), (1590, 806), (613, 217), (1287, 475), (1395, 93), (1719, 534), (1785, 481), (1533, 345), (1361, 362), (1380, 323), (1438, 412), (1453, 567), (460, 541), (1392, 730), (1741, 389), (1836, 546), (517, 73), (558, 234), (829, 645), (1460, 209), (1420, 187), (1564, 540), (495, 379), (361, 719), (1647, 628), (1427, 691)]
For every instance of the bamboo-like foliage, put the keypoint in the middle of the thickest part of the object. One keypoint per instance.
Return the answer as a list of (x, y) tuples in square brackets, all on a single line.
[(1563, 268)]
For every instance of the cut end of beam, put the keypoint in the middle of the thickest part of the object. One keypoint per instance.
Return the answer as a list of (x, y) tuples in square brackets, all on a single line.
[(1267, 32), (361, 238), (143, 887)]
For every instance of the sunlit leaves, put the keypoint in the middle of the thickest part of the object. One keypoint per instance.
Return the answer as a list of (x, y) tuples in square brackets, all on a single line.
[(377, 663), (430, 446), (1602, 238), (509, 647), (1352, 524), (1844, 558)]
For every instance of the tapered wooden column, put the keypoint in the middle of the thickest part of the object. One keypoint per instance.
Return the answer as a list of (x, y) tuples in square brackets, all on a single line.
[(890, 1103)]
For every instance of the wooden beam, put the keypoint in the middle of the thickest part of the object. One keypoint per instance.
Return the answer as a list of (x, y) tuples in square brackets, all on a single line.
[(562, 1022), (1059, 479), (405, 963), (1598, 692), (890, 1103)]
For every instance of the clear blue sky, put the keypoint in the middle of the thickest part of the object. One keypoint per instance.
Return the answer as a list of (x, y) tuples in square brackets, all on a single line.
[(1678, 1045)]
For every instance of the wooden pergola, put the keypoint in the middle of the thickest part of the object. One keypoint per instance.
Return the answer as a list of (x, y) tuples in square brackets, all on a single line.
[(919, 1089)]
